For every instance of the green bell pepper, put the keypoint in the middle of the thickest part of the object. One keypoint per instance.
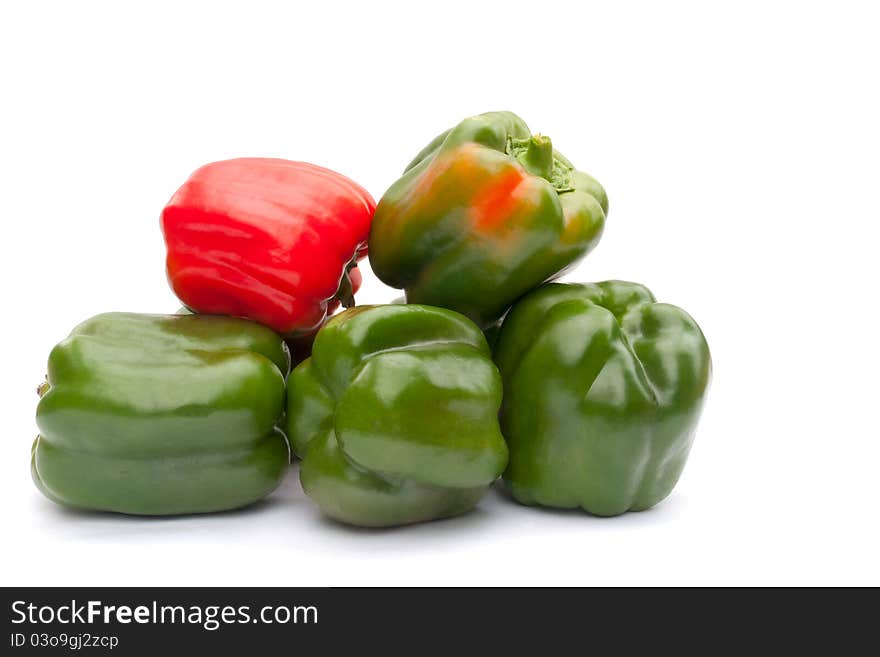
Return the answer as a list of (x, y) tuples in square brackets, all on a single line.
[(395, 416), (162, 414), (485, 213), (603, 388)]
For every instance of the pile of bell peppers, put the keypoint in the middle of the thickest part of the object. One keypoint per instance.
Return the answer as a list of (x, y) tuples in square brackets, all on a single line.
[(576, 395)]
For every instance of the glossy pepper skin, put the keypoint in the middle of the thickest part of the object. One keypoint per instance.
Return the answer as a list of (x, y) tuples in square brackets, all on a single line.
[(603, 388), (162, 414), (299, 346), (485, 213), (395, 416), (267, 239)]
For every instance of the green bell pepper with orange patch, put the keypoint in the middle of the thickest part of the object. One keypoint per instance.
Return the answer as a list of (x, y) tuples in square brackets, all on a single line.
[(485, 213)]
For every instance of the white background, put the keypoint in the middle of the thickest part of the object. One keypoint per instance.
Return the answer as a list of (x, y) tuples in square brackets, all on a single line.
[(741, 152)]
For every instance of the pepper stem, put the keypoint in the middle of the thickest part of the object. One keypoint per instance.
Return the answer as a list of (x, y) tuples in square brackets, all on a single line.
[(537, 156), (345, 291)]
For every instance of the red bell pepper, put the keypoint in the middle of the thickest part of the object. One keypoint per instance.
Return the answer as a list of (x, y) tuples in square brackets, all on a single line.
[(268, 239)]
